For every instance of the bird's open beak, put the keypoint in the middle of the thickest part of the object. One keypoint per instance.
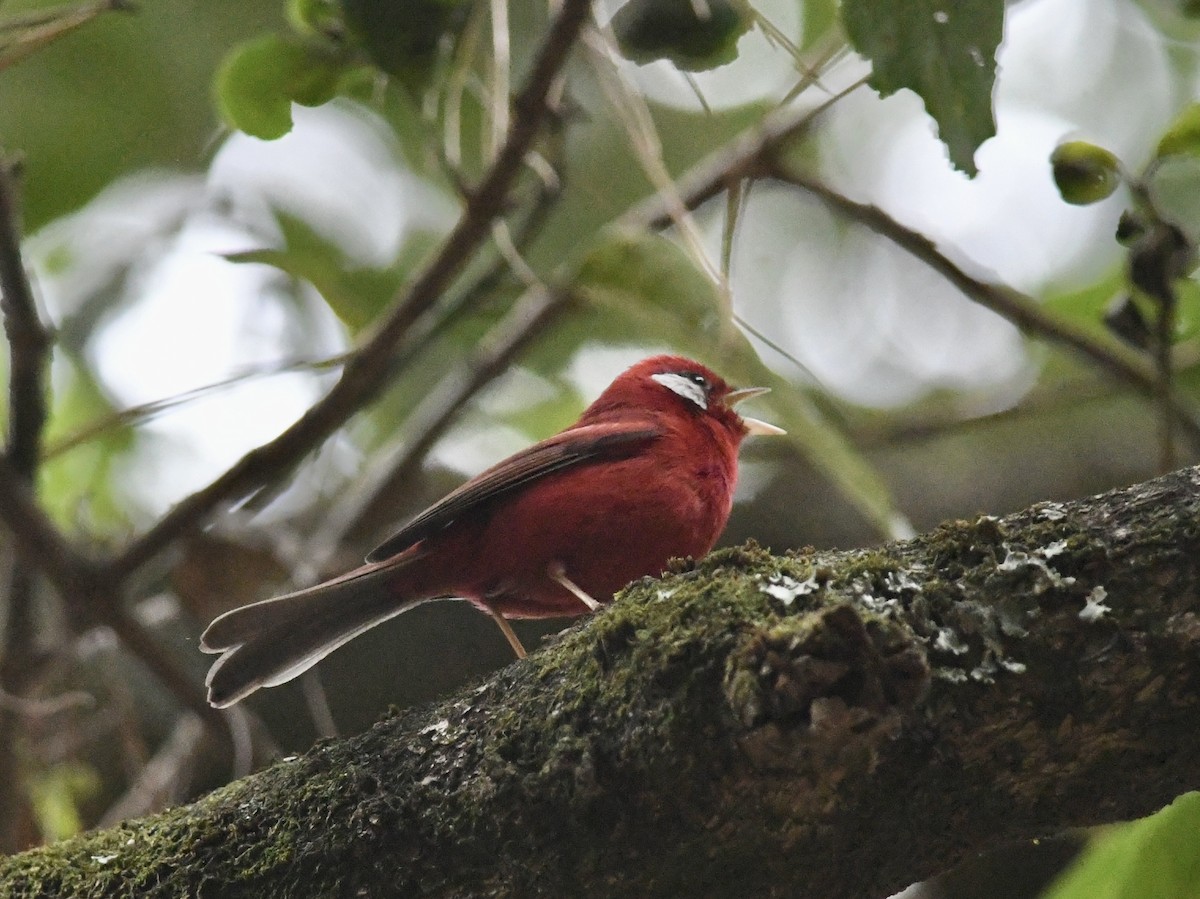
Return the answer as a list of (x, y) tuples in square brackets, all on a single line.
[(753, 425)]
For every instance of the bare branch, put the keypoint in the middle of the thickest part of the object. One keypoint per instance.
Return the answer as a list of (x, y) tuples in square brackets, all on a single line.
[(755, 156), (36, 538), (366, 371), (28, 340), (822, 742), (28, 350), (745, 158), (1012, 305), (86, 588)]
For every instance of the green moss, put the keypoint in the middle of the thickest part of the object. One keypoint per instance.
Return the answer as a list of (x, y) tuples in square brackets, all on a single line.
[(649, 712)]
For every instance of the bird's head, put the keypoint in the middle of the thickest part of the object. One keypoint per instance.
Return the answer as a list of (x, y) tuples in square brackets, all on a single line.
[(675, 384)]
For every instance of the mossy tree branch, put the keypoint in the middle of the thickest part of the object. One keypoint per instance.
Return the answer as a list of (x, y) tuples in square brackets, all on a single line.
[(811, 725)]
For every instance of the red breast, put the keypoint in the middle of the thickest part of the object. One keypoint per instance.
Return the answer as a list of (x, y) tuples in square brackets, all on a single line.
[(610, 522)]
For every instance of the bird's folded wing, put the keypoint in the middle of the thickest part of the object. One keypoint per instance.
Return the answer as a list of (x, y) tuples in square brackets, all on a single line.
[(568, 449)]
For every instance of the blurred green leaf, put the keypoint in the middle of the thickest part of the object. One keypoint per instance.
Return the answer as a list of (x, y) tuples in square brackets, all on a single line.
[(355, 294), (57, 794), (695, 35), (1085, 305), (1084, 173), (79, 485), (1174, 187), (1152, 858), (1183, 137), (943, 50), (1187, 310), (260, 80), (314, 17), (819, 17), (635, 273), (129, 92)]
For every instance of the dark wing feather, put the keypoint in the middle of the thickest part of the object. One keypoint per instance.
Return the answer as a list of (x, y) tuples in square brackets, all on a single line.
[(568, 449)]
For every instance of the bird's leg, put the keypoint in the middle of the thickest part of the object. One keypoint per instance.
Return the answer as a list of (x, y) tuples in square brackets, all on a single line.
[(559, 576), (509, 635)]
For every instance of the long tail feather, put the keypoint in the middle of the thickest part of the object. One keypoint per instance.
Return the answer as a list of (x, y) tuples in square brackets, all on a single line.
[(270, 642)]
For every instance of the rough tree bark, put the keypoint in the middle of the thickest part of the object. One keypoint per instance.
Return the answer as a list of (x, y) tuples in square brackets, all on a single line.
[(817, 724)]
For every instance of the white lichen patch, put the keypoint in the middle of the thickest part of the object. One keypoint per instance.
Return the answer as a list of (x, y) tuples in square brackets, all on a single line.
[(1016, 560), (1094, 607), (899, 581), (864, 589), (104, 858), (984, 672), (1051, 512), (1057, 548), (947, 640), (786, 588), (438, 732)]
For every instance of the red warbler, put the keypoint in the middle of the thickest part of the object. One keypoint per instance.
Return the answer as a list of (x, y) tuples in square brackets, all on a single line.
[(646, 474)]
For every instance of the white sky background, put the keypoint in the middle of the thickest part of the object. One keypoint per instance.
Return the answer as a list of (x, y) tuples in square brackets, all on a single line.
[(880, 330)]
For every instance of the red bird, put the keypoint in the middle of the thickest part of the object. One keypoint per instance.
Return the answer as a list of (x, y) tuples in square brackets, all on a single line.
[(645, 475)]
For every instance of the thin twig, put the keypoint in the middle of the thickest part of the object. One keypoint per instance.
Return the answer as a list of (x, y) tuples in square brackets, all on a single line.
[(23, 35), (1012, 305), (131, 416), (317, 702), (456, 87), (754, 156), (747, 157), (366, 372), (497, 109), (48, 706)]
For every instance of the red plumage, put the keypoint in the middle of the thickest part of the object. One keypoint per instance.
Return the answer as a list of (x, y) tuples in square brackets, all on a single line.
[(646, 474)]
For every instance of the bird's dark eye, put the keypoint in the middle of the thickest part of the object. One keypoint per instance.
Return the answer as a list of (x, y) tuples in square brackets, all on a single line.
[(698, 379)]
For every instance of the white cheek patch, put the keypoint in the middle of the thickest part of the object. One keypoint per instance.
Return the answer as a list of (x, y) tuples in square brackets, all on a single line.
[(685, 387)]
